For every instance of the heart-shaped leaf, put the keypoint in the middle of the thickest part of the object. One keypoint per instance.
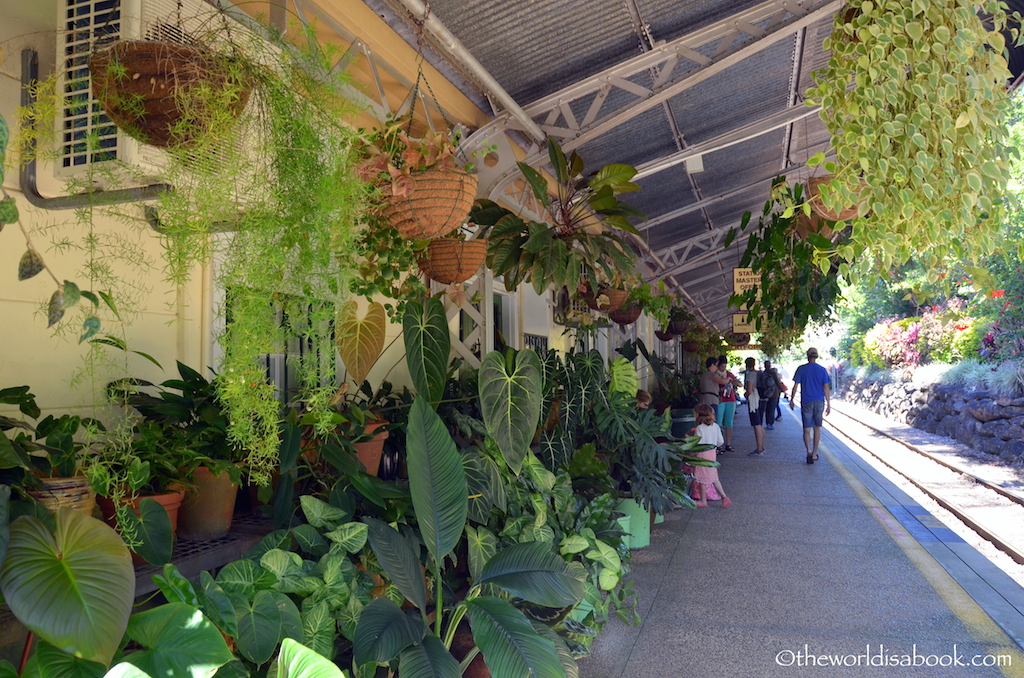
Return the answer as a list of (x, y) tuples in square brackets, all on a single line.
[(176, 589), (427, 345), (31, 265), (216, 604), (318, 629), (510, 399), (179, 641), (298, 661), (360, 341), (73, 588), (152, 528), (259, 628), (56, 663)]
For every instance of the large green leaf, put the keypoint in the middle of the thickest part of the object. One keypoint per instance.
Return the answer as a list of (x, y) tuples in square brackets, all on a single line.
[(56, 663), (401, 564), (350, 536), (152, 528), (319, 629), (624, 378), (427, 344), (126, 670), (535, 572), (245, 578), (321, 514), (297, 661), (482, 545), (179, 641), (259, 627), (176, 589), (486, 487), (510, 398), (572, 670), (429, 659), (384, 630), (511, 648), (73, 588), (216, 604), (437, 481), (360, 341), (5, 528)]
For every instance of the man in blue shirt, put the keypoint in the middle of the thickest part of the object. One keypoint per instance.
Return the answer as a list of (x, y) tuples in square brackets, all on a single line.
[(817, 399)]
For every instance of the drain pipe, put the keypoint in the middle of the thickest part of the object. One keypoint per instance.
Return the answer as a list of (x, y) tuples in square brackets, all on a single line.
[(27, 174), (455, 48)]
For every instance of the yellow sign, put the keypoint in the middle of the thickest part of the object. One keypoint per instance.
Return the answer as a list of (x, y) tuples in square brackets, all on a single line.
[(744, 279), (741, 326)]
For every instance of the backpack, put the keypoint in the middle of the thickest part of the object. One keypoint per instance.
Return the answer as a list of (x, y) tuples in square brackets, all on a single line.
[(766, 388)]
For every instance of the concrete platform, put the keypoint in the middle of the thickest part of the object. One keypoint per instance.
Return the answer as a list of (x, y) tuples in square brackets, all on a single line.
[(828, 560)]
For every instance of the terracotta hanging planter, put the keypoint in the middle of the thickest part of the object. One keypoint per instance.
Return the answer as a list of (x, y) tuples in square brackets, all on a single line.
[(146, 89), (814, 185), (438, 203), (804, 225), (453, 261), (625, 316), (616, 298)]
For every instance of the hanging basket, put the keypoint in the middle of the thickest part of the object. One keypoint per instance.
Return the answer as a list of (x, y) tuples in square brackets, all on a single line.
[(678, 327), (737, 339), (439, 202), (625, 316), (814, 185), (161, 93), (690, 346), (804, 225), (453, 261), (664, 336), (616, 298), (74, 493)]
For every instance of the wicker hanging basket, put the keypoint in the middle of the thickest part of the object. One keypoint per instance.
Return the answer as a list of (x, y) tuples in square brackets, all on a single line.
[(664, 336), (616, 298), (737, 339), (439, 202), (678, 327), (148, 95), (453, 261), (625, 316), (74, 493), (814, 185), (804, 225)]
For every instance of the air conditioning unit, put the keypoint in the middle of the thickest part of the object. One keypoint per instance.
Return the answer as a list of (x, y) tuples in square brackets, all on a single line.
[(87, 137)]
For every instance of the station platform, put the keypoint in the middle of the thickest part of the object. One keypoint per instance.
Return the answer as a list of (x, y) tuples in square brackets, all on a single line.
[(825, 569)]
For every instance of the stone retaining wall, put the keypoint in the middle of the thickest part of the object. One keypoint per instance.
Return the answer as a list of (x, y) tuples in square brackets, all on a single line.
[(986, 422)]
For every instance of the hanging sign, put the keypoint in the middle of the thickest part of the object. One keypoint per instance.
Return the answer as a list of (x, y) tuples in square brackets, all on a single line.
[(741, 326), (744, 279)]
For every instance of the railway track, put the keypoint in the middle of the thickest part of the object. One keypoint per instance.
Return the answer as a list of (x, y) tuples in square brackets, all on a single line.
[(991, 509)]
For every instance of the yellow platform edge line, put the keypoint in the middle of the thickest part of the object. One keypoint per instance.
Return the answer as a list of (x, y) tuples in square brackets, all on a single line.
[(978, 623)]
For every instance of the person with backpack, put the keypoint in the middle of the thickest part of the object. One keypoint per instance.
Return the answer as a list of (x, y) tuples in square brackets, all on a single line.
[(755, 405), (775, 390)]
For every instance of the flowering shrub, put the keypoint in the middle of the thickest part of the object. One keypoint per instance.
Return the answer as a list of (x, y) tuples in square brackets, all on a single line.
[(894, 342), (943, 330)]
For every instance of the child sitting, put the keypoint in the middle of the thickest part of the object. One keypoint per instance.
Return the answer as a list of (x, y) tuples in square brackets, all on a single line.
[(710, 434)]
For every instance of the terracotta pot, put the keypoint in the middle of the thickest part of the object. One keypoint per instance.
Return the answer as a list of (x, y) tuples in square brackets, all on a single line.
[(370, 452), (616, 298), (814, 185), (148, 94), (171, 501), (453, 261), (208, 507), (625, 316), (74, 493), (804, 225), (664, 336), (439, 202)]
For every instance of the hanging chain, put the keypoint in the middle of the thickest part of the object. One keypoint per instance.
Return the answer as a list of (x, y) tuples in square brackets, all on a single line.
[(420, 24)]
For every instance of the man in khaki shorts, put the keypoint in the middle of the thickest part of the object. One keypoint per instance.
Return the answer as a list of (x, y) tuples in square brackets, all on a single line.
[(816, 400)]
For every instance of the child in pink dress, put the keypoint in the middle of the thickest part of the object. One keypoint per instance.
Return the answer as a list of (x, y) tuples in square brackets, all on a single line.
[(710, 434)]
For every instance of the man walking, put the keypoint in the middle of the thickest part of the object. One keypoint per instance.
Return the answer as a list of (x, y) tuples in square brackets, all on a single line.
[(816, 399), (773, 400)]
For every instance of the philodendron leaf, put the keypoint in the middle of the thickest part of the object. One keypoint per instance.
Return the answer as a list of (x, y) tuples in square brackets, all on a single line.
[(427, 344), (437, 481), (400, 562), (318, 629), (74, 588), (56, 663), (510, 399), (152, 527), (535, 572), (298, 661), (176, 589), (624, 378), (428, 659), (360, 341), (179, 641), (216, 604), (508, 642), (260, 628), (384, 631), (482, 545), (321, 514), (31, 265)]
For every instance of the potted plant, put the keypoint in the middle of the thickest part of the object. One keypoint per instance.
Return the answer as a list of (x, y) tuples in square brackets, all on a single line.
[(188, 408), (579, 244), (423, 193), (918, 134), (453, 259), (45, 462), (679, 319)]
